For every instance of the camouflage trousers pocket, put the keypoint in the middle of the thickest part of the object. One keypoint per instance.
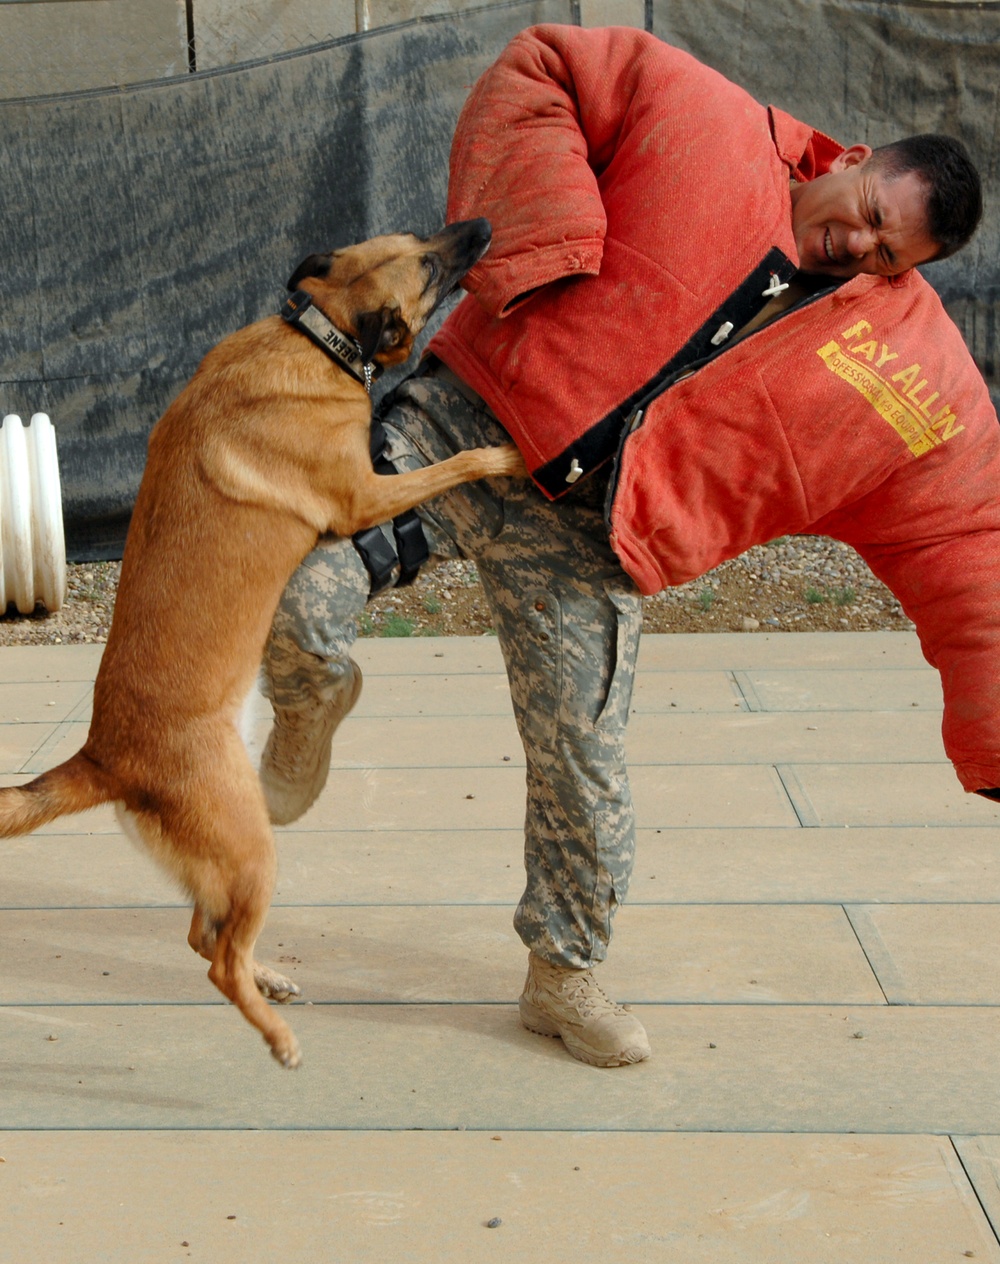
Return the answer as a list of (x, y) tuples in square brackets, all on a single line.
[(618, 700)]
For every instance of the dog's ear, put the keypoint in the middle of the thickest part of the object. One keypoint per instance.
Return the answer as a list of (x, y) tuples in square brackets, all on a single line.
[(380, 330), (313, 266)]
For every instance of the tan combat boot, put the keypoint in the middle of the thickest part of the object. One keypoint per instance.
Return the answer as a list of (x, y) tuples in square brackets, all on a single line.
[(559, 1001), (296, 759)]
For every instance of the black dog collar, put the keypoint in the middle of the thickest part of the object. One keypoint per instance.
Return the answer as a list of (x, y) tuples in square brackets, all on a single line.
[(300, 311)]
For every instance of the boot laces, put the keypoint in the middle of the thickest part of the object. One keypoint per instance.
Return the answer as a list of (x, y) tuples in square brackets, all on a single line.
[(294, 739), (585, 994)]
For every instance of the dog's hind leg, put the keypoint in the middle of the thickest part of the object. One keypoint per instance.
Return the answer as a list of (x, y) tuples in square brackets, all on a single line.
[(270, 984), (234, 894), (218, 843), (232, 972)]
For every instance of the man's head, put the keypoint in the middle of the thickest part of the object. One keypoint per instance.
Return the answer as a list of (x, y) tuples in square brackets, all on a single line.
[(885, 210)]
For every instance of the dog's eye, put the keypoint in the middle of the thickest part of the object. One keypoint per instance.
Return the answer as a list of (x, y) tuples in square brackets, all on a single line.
[(432, 268)]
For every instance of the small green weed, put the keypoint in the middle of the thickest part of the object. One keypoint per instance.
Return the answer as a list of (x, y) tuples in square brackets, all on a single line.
[(705, 599), (845, 596), (815, 597), (397, 625)]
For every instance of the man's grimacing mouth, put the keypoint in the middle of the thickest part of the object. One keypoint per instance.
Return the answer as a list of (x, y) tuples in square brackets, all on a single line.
[(828, 246)]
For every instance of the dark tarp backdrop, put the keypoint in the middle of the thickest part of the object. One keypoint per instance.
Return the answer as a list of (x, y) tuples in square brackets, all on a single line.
[(140, 225)]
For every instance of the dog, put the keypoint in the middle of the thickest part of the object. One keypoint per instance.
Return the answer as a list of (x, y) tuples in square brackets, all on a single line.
[(266, 448)]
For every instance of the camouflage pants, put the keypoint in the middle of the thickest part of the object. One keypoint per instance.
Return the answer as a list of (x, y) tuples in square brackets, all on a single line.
[(568, 621)]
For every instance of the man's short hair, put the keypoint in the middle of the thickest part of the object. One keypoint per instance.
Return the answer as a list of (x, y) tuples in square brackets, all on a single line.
[(954, 189)]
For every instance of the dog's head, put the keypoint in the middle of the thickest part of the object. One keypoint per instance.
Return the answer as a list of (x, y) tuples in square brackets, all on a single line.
[(383, 291)]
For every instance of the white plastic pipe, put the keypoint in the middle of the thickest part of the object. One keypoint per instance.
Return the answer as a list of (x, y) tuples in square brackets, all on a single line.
[(33, 562)]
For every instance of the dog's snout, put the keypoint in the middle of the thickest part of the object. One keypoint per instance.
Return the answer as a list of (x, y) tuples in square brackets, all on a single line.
[(480, 234), (465, 242)]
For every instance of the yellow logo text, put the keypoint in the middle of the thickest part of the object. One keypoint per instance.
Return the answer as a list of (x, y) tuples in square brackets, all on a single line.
[(900, 395)]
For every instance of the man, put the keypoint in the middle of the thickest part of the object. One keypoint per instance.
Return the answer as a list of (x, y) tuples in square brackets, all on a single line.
[(650, 222)]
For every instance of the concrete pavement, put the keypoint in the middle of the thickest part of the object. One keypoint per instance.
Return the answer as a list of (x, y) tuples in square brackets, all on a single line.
[(810, 939)]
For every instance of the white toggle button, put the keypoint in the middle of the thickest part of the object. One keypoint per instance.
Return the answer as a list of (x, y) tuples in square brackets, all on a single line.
[(722, 333)]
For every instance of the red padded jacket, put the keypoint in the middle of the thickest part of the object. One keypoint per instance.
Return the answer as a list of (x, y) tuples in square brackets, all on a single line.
[(637, 198), (641, 203)]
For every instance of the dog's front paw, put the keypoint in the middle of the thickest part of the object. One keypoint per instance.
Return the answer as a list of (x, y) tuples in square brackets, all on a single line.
[(274, 986)]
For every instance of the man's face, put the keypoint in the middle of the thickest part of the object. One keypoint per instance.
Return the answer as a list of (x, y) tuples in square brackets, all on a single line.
[(854, 219)]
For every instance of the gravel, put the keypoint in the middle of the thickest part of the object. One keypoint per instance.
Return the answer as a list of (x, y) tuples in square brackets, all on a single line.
[(796, 584)]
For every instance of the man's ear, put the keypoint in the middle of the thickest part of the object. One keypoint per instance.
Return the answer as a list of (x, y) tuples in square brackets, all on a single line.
[(313, 266), (379, 331), (851, 157)]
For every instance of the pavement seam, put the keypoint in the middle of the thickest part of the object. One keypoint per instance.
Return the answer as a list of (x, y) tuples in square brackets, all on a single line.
[(885, 973), (972, 1183), (745, 691), (798, 796)]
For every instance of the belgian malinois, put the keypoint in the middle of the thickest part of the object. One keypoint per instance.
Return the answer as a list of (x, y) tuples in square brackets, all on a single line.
[(266, 448)]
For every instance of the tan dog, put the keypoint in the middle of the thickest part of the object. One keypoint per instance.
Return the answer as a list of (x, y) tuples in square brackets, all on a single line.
[(267, 447)]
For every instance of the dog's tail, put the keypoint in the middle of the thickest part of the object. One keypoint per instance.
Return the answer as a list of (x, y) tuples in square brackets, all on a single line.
[(70, 787)]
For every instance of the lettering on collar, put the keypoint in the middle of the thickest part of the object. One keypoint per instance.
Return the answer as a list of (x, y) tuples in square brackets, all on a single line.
[(330, 335)]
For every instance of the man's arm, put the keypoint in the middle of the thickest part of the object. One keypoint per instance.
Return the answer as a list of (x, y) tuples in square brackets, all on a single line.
[(948, 582), (538, 128)]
